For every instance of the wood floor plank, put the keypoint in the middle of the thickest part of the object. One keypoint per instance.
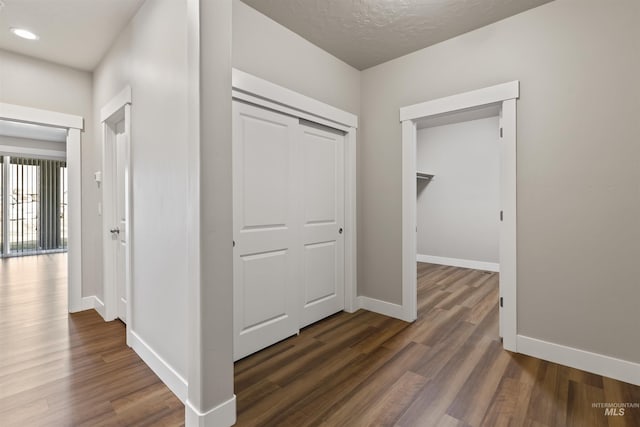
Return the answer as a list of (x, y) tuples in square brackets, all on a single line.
[(314, 407), (502, 406), (618, 392), (579, 409), (362, 369), (265, 411), (388, 407), (471, 403), (388, 329), (358, 403), (443, 352), (437, 396), (448, 421), (58, 369), (460, 376)]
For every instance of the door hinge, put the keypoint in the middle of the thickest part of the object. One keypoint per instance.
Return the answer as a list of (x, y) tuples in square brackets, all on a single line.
[(500, 132), (501, 215), (501, 302)]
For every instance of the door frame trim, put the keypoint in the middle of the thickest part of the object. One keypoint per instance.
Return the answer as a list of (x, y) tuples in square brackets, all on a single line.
[(117, 109), (74, 125), (504, 94), (252, 89)]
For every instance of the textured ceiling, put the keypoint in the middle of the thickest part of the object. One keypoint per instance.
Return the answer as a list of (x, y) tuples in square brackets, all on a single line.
[(76, 33), (365, 33)]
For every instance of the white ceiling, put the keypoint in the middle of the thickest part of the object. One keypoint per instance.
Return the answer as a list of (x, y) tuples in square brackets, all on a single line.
[(32, 131), (76, 33), (365, 33)]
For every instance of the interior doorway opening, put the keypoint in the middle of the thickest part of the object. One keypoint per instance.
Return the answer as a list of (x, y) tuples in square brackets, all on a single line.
[(465, 107), (68, 129), (34, 203), (115, 180), (458, 189)]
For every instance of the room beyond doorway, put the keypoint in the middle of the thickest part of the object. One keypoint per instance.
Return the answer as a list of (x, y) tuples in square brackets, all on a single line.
[(504, 98), (71, 127), (34, 205)]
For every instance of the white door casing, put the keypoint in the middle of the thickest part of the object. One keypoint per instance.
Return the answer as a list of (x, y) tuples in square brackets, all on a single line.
[(265, 214), (74, 125), (322, 234), (504, 95), (508, 278), (116, 208), (121, 177)]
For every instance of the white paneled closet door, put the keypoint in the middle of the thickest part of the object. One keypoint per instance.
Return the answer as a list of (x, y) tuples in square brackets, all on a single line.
[(322, 234), (266, 228)]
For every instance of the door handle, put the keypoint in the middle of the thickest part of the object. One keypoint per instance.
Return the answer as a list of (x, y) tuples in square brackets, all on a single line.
[(115, 231), (340, 230)]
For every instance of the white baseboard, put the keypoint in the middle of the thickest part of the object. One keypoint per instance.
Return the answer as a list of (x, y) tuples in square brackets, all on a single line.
[(223, 415), (599, 364), (93, 302), (458, 262), (87, 303), (382, 307), (176, 383)]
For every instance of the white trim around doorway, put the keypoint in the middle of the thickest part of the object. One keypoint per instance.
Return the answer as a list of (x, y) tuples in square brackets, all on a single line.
[(74, 125), (505, 96), (117, 109)]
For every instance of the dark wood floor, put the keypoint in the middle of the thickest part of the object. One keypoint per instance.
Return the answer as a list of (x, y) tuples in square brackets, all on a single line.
[(69, 370), (362, 369), (446, 369)]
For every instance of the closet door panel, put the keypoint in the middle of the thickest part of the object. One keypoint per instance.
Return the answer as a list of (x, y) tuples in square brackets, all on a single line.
[(322, 237), (320, 177), (266, 147), (263, 282), (320, 267), (266, 228)]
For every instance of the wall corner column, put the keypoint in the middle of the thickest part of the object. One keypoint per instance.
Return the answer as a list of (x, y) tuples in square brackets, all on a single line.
[(409, 221), (210, 400), (74, 256)]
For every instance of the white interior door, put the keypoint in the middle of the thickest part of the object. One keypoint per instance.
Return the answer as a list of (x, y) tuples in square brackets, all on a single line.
[(121, 239), (322, 234), (266, 259)]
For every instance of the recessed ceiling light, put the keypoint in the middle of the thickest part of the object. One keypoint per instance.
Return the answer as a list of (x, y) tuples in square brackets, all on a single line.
[(25, 34)]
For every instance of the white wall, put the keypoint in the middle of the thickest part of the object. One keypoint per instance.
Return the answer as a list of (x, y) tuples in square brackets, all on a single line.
[(211, 401), (40, 84), (266, 49), (577, 164), (457, 211), (12, 145), (151, 56)]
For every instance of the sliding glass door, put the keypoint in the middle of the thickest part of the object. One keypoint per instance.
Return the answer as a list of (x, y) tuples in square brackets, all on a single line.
[(24, 199), (34, 200)]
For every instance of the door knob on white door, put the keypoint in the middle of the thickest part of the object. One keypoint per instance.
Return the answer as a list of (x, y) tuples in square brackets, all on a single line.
[(115, 231)]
